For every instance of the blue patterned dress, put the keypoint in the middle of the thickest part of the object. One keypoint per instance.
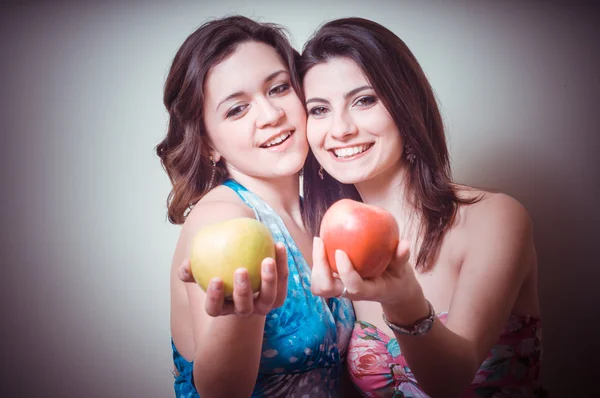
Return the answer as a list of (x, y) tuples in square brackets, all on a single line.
[(305, 340)]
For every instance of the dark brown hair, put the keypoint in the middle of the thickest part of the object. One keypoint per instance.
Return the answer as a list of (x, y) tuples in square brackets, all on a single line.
[(402, 86), (184, 151)]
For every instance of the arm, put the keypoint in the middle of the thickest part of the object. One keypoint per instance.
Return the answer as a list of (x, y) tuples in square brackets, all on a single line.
[(232, 343), (500, 254), (499, 257)]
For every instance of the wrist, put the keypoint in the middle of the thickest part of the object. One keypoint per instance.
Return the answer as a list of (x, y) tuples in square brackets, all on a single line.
[(420, 327), (408, 308), (406, 314)]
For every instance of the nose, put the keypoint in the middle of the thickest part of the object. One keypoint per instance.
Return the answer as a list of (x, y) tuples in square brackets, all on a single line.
[(268, 114), (342, 127)]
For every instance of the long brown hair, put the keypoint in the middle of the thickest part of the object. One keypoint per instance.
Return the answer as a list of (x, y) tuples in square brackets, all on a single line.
[(184, 152), (399, 81)]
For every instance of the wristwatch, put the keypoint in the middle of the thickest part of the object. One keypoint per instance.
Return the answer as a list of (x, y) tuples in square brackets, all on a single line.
[(419, 328)]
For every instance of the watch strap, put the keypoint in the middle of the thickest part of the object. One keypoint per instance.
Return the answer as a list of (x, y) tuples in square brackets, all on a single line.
[(420, 328)]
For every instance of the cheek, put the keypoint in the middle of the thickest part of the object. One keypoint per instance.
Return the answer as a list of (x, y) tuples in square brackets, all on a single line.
[(232, 139), (381, 124), (315, 133), (294, 109), (394, 138), (377, 120)]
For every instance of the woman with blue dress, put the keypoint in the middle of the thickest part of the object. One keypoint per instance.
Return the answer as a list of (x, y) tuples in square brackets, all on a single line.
[(235, 145)]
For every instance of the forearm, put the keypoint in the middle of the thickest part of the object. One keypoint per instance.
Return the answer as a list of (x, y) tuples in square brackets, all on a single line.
[(228, 357), (443, 362)]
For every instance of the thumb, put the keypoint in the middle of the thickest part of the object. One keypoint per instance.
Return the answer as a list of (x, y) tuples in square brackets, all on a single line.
[(185, 271), (402, 254), (321, 279)]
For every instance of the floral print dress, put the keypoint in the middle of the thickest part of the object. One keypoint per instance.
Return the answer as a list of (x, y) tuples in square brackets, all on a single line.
[(512, 368)]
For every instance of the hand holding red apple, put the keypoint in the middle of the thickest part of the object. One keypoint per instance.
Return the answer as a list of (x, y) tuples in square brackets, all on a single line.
[(387, 288), (361, 243)]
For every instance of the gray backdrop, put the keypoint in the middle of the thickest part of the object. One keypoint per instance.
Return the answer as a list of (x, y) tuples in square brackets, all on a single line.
[(86, 248)]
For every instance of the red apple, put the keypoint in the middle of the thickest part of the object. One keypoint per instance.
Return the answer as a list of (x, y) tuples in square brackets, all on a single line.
[(368, 234)]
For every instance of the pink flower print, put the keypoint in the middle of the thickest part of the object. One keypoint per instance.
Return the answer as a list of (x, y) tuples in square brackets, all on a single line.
[(398, 373), (367, 357)]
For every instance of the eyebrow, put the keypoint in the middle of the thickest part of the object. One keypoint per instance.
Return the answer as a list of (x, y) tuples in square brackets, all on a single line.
[(346, 96), (240, 93)]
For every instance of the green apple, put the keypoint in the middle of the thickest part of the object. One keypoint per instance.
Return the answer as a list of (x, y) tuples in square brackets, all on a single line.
[(221, 248)]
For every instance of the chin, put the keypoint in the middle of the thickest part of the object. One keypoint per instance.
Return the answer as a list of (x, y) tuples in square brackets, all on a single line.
[(348, 178), (289, 167)]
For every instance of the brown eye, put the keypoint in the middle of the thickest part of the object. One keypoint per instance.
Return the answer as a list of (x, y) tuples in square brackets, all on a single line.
[(236, 110), (280, 89), (366, 101), (318, 111)]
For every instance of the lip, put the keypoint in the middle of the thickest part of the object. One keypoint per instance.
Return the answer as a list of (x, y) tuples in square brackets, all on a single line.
[(283, 145), (291, 130), (348, 159)]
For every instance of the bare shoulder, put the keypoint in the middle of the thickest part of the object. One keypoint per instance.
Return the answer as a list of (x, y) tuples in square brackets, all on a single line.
[(497, 230), (218, 205), (490, 211), (501, 211)]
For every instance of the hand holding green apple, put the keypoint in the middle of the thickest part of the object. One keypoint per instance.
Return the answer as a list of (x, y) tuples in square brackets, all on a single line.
[(232, 261)]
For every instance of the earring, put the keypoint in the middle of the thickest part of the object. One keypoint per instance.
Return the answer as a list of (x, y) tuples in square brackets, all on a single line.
[(321, 172), (410, 155), (214, 171)]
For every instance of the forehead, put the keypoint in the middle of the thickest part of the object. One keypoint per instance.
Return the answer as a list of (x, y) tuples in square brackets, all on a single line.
[(337, 74), (246, 67)]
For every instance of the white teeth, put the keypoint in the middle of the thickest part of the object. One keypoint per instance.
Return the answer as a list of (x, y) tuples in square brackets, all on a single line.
[(280, 138), (351, 151)]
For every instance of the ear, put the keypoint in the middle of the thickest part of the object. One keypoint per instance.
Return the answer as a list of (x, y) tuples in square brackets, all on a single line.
[(215, 155), (212, 152)]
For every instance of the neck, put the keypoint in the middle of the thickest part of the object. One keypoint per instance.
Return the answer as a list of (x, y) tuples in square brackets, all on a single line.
[(389, 191), (282, 193)]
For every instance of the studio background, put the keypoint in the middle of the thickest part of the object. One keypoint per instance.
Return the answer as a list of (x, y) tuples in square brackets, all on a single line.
[(86, 248)]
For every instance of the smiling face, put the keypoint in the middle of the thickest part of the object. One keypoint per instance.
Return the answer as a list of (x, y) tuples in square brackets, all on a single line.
[(253, 117), (349, 130)]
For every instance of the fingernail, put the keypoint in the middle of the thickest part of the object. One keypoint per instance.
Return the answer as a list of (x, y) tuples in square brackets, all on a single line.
[(215, 285), (269, 269), (239, 279)]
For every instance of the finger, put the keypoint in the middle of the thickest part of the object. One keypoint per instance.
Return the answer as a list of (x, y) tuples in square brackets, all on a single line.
[(214, 297), (282, 272), (402, 255), (353, 282), (228, 307), (242, 293), (322, 282), (268, 287), (185, 271)]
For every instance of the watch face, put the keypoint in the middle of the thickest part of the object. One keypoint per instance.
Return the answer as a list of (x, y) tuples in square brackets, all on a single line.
[(424, 327)]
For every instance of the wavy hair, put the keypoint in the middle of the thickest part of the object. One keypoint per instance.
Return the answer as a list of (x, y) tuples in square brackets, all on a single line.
[(184, 152), (399, 81)]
